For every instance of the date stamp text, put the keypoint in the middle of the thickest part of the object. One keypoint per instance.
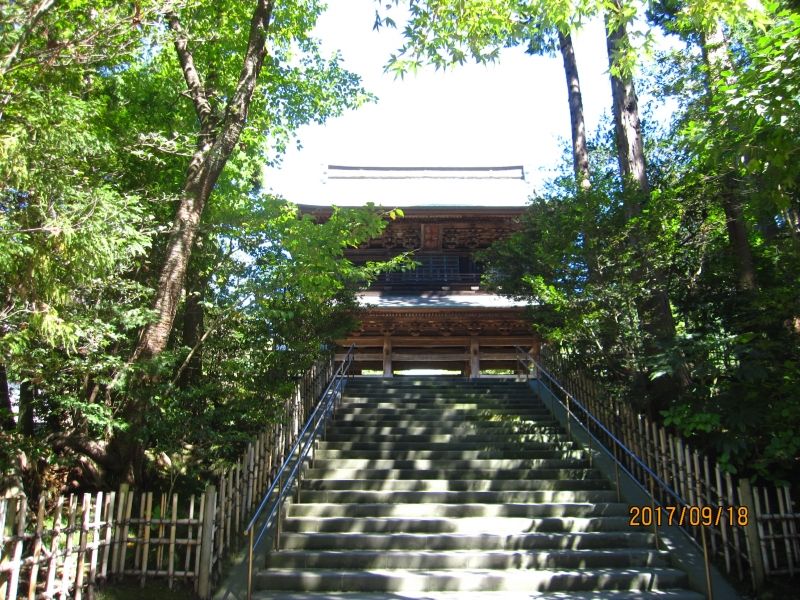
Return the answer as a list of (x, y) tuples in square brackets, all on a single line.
[(705, 516)]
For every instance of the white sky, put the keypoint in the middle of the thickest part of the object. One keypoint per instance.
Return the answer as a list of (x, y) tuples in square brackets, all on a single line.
[(510, 113)]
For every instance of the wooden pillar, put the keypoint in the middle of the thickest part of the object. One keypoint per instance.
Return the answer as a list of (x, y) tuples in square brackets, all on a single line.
[(474, 358), (387, 355)]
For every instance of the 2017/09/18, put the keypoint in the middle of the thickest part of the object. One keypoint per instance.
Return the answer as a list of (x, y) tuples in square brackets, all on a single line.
[(647, 516)]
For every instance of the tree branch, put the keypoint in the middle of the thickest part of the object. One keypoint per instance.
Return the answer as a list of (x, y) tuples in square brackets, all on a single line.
[(35, 14), (201, 104)]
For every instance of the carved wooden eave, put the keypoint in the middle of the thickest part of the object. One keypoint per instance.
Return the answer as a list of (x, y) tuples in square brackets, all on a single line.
[(457, 230), (449, 338), (437, 316), (443, 322)]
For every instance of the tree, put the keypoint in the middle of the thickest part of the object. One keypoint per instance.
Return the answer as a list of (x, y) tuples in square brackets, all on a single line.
[(651, 302), (222, 102), (708, 33), (116, 121), (445, 32), (739, 338), (220, 126)]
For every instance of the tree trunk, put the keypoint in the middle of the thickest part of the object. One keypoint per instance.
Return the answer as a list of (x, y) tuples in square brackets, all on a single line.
[(26, 416), (580, 152), (193, 329), (628, 129), (216, 140), (653, 308), (737, 235), (6, 413), (717, 60), (215, 143)]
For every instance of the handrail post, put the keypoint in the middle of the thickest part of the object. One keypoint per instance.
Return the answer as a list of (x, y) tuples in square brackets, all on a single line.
[(250, 551), (653, 508), (277, 537), (591, 451), (569, 417), (706, 564), (616, 472)]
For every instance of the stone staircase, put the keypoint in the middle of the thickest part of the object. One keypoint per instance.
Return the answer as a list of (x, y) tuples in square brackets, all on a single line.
[(443, 489)]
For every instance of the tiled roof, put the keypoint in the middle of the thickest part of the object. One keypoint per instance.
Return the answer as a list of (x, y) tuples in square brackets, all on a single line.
[(438, 300), (425, 186)]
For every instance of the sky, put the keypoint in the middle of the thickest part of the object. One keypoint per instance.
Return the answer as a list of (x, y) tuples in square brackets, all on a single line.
[(513, 112)]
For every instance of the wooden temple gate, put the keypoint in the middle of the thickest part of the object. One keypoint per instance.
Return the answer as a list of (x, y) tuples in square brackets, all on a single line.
[(437, 316)]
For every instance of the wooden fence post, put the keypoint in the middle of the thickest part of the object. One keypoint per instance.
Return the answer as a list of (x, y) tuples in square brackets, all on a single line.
[(21, 513), (207, 544), (751, 534)]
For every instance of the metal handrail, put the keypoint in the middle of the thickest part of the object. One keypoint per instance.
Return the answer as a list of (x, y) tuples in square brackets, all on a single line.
[(602, 428), (526, 360), (306, 437)]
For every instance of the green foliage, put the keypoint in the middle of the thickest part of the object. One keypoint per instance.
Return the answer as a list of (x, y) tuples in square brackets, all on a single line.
[(591, 272), (96, 134), (444, 33), (736, 352)]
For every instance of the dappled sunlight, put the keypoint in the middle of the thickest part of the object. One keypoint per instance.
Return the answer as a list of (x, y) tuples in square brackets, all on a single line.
[(432, 491)]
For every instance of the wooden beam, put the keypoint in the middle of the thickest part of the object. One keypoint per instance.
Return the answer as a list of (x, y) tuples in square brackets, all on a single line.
[(401, 357), (405, 356), (475, 358), (387, 355), (498, 356), (439, 341)]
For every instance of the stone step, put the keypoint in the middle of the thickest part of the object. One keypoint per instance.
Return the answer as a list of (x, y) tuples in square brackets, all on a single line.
[(330, 470), (422, 401), (521, 453), (439, 525), (462, 402), (443, 411), (485, 437), (464, 559), (376, 383), (349, 429), (460, 510), (397, 420), (451, 497), (505, 595), (391, 483), (470, 580), (603, 540), (451, 465), (476, 443)]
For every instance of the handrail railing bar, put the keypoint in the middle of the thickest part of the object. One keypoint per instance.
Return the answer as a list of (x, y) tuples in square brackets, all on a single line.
[(285, 488), (627, 451), (603, 428), (305, 438), (279, 474)]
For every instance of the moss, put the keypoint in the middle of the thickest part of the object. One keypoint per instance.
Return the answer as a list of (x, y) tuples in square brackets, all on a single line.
[(151, 591)]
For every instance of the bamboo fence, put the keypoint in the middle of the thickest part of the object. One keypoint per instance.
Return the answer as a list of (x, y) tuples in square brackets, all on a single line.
[(759, 537), (67, 546)]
